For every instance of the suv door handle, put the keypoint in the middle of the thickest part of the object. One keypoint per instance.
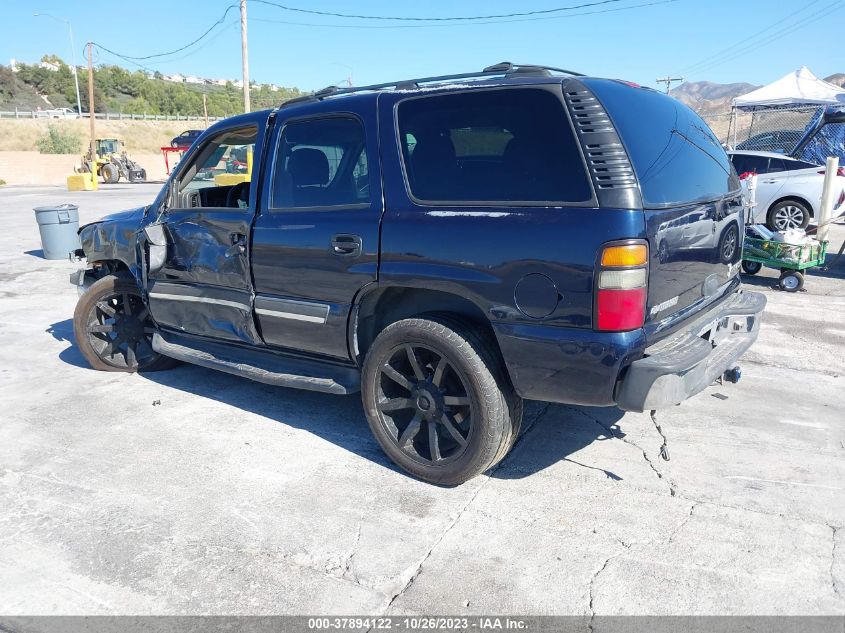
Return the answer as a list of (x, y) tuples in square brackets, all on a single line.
[(238, 246), (347, 245)]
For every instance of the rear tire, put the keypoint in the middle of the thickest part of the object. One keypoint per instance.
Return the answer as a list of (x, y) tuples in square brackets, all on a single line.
[(729, 244), (113, 328), (788, 214), (444, 411), (752, 268)]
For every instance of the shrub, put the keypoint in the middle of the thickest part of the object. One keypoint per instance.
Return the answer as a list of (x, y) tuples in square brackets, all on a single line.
[(58, 141), (2, 182)]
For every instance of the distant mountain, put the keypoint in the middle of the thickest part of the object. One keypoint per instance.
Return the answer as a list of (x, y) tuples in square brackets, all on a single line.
[(837, 78), (706, 97), (693, 91)]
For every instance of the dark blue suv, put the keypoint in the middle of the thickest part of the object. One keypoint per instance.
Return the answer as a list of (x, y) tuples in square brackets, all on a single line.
[(448, 246)]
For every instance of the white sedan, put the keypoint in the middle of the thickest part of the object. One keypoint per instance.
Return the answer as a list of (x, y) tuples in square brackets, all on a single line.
[(789, 191)]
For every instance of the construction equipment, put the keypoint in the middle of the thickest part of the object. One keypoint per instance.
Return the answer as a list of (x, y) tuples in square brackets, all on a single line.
[(111, 162)]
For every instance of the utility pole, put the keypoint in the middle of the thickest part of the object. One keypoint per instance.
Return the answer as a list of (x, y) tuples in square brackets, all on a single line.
[(205, 107), (92, 148), (73, 68), (245, 56), (668, 80)]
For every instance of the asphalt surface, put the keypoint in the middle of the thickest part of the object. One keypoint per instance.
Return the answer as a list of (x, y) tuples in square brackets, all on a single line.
[(191, 491)]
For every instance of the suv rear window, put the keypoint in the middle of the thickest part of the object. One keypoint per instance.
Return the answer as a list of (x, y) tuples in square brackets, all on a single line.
[(491, 146), (676, 157)]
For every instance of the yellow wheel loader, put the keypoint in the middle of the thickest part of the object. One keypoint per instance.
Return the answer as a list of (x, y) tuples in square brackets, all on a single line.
[(111, 162)]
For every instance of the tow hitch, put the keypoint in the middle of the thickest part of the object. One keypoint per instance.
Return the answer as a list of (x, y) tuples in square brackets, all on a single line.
[(733, 375)]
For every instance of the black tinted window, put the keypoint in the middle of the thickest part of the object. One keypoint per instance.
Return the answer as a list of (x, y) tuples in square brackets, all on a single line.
[(677, 158), (745, 163), (777, 164), (321, 163), (491, 146)]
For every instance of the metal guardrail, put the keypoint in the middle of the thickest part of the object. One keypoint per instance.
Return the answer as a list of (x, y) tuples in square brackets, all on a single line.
[(105, 116)]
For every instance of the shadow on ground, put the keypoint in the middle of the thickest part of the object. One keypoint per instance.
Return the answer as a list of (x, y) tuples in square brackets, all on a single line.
[(340, 419)]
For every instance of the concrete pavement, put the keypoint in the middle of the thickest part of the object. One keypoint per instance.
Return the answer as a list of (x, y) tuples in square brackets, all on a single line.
[(196, 492)]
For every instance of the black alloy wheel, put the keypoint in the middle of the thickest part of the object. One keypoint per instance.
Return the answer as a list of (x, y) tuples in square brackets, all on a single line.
[(114, 330), (424, 405), (438, 398)]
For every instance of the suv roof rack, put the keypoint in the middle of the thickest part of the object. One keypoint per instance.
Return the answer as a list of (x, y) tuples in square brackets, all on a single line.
[(507, 69)]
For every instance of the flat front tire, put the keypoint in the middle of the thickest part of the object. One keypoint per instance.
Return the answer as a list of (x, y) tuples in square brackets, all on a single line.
[(113, 328), (438, 401)]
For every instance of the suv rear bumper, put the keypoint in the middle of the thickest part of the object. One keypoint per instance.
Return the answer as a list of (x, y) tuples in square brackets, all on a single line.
[(685, 364)]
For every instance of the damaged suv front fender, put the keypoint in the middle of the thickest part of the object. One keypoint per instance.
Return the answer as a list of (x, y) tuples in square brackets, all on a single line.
[(114, 239)]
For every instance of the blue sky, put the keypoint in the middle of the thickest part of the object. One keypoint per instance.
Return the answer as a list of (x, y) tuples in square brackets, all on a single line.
[(699, 39)]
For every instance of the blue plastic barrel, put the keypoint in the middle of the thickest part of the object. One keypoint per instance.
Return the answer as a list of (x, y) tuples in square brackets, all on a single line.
[(58, 226)]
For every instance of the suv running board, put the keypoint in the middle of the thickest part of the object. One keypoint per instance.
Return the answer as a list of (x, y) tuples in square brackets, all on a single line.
[(261, 365)]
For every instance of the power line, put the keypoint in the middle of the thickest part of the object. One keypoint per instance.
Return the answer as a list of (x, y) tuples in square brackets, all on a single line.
[(747, 39), (464, 24), (181, 48), (815, 17), (147, 68), (435, 19), (730, 51)]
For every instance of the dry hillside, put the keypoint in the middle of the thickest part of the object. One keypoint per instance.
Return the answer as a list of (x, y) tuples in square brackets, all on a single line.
[(139, 136)]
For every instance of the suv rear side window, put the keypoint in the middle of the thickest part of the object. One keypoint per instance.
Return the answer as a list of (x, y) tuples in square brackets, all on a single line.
[(321, 163), (491, 146), (676, 157)]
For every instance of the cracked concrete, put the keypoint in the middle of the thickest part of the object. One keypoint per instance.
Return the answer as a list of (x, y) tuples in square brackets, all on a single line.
[(234, 497)]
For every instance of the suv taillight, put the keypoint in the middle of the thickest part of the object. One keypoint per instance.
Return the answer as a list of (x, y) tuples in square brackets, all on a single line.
[(621, 287)]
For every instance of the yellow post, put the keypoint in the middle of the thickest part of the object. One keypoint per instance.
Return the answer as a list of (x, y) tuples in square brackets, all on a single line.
[(249, 165)]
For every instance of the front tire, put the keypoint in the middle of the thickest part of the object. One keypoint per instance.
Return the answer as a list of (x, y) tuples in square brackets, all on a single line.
[(788, 214), (109, 173), (438, 401), (113, 328), (791, 281)]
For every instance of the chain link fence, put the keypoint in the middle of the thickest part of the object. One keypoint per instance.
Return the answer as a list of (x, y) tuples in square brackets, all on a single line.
[(770, 130)]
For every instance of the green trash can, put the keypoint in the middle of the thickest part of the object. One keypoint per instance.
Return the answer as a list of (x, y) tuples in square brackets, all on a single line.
[(58, 226)]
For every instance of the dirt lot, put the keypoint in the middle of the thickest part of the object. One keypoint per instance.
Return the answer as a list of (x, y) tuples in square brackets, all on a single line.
[(140, 136), (191, 491)]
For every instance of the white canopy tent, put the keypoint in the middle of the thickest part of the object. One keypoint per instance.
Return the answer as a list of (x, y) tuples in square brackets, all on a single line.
[(799, 91), (798, 88)]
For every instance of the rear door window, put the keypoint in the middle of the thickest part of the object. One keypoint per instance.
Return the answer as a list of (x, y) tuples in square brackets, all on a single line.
[(491, 147), (676, 157)]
